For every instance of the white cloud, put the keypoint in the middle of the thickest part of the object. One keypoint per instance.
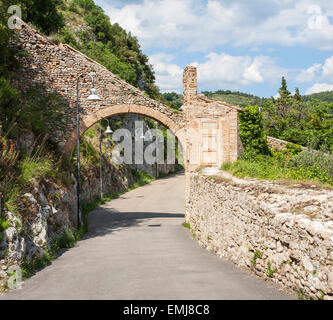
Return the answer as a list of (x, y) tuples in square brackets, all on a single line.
[(328, 68), (320, 87), (226, 71), (317, 72), (215, 25), (168, 75), (203, 25), (309, 74), (218, 71)]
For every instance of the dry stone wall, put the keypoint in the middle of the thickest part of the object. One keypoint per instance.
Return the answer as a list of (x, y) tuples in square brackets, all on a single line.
[(57, 66), (280, 233), (47, 210), (279, 144)]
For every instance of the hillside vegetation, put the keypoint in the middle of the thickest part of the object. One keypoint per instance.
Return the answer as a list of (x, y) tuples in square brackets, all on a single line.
[(326, 96), (290, 118), (235, 98), (304, 120), (83, 25), (90, 31)]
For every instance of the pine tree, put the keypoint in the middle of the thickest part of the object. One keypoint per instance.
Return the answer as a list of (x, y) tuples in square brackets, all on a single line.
[(297, 95), (283, 101), (283, 91)]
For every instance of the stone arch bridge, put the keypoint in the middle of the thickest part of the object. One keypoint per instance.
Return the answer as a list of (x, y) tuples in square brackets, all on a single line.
[(207, 130)]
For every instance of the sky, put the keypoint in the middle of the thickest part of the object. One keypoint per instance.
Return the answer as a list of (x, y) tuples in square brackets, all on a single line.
[(242, 45)]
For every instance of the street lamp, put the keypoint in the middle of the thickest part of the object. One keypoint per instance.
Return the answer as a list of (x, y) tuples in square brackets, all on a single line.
[(108, 131), (92, 97), (160, 140)]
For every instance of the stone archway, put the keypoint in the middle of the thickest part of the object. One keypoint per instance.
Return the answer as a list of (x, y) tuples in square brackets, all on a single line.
[(207, 129), (95, 117)]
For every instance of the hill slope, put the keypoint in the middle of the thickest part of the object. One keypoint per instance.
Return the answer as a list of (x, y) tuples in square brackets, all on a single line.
[(326, 96), (235, 97), (90, 31)]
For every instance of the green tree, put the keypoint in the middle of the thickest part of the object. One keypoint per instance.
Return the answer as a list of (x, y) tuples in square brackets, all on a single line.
[(7, 54), (44, 14), (297, 95), (115, 42), (301, 121), (252, 131), (283, 91)]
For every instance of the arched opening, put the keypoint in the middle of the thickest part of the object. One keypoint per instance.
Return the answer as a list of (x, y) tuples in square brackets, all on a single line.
[(118, 178), (87, 122)]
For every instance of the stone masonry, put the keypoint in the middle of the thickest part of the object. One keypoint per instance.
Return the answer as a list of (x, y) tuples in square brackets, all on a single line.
[(280, 233), (207, 130), (57, 66), (213, 126)]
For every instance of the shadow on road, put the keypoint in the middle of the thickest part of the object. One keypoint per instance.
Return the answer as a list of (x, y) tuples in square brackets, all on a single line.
[(103, 221)]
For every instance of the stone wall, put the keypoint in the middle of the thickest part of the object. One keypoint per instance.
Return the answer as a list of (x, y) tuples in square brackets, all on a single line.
[(275, 143), (57, 66), (47, 211), (280, 233)]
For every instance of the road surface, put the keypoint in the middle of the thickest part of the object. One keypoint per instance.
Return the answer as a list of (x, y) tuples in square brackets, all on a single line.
[(137, 248)]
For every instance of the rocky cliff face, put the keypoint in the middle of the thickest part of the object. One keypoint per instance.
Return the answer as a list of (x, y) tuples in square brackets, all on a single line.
[(44, 216)]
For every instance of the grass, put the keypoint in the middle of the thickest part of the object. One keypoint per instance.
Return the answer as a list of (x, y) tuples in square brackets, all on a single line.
[(186, 225), (257, 255), (4, 224), (301, 168), (67, 240), (301, 295), (31, 169), (270, 271)]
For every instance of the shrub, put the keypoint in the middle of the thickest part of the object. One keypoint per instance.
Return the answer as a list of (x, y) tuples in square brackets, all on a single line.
[(251, 131), (304, 166), (314, 165), (35, 169), (4, 224), (293, 149), (44, 14)]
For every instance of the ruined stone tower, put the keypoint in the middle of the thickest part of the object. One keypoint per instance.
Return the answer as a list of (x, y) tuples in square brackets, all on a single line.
[(212, 126), (190, 84)]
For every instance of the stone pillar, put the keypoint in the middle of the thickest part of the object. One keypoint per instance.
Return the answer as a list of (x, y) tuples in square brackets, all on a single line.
[(190, 84)]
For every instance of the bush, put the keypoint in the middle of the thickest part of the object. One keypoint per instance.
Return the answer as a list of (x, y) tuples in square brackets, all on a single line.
[(31, 169), (252, 131), (314, 165), (101, 53), (308, 122), (44, 14), (293, 149), (305, 166), (4, 224)]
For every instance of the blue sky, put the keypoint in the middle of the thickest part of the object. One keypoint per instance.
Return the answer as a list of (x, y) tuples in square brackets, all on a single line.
[(245, 45)]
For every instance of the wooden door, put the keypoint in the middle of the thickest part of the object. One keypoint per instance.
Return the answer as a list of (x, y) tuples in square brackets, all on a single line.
[(209, 143)]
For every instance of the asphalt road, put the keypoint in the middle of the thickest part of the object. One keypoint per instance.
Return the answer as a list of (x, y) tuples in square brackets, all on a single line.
[(137, 248)]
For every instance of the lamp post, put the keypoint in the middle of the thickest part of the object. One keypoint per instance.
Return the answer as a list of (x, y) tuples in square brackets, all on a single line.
[(160, 141), (108, 131), (92, 97)]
